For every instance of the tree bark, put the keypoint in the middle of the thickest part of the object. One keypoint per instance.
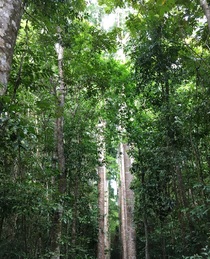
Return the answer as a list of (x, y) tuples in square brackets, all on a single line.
[(57, 224), (128, 234), (206, 10), (131, 235), (183, 198), (123, 204), (10, 17), (101, 234), (146, 233), (103, 197), (106, 217)]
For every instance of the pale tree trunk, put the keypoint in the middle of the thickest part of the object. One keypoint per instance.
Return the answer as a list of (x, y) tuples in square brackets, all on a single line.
[(10, 17), (119, 193), (123, 214), (128, 234), (103, 197), (61, 180), (106, 217), (206, 9), (101, 245), (131, 235)]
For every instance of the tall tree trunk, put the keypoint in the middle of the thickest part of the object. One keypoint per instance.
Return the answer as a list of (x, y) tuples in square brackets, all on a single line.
[(106, 217), (127, 206), (101, 245), (183, 198), (10, 17), (181, 187), (103, 196), (206, 9), (146, 227), (123, 214), (57, 224)]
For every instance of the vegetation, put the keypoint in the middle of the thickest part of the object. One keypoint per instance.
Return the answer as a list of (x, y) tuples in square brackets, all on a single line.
[(147, 79)]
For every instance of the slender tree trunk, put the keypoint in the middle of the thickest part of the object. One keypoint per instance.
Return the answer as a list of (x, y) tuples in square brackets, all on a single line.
[(163, 241), (183, 197), (181, 187), (206, 9), (199, 163), (106, 217), (128, 234), (1, 225), (57, 224), (10, 17), (131, 234), (101, 245), (178, 205), (123, 204), (103, 238)]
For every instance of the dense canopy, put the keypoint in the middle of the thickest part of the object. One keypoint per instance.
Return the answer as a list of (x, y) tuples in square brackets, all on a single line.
[(104, 129)]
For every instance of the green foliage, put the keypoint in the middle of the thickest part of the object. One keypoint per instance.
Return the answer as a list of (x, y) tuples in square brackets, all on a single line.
[(110, 5), (163, 107), (167, 129), (28, 165)]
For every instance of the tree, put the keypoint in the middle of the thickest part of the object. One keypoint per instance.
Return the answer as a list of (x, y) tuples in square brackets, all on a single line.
[(28, 143), (206, 9), (61, 180), (160, 145), (103, 197), (126, 205), (11, 13)]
